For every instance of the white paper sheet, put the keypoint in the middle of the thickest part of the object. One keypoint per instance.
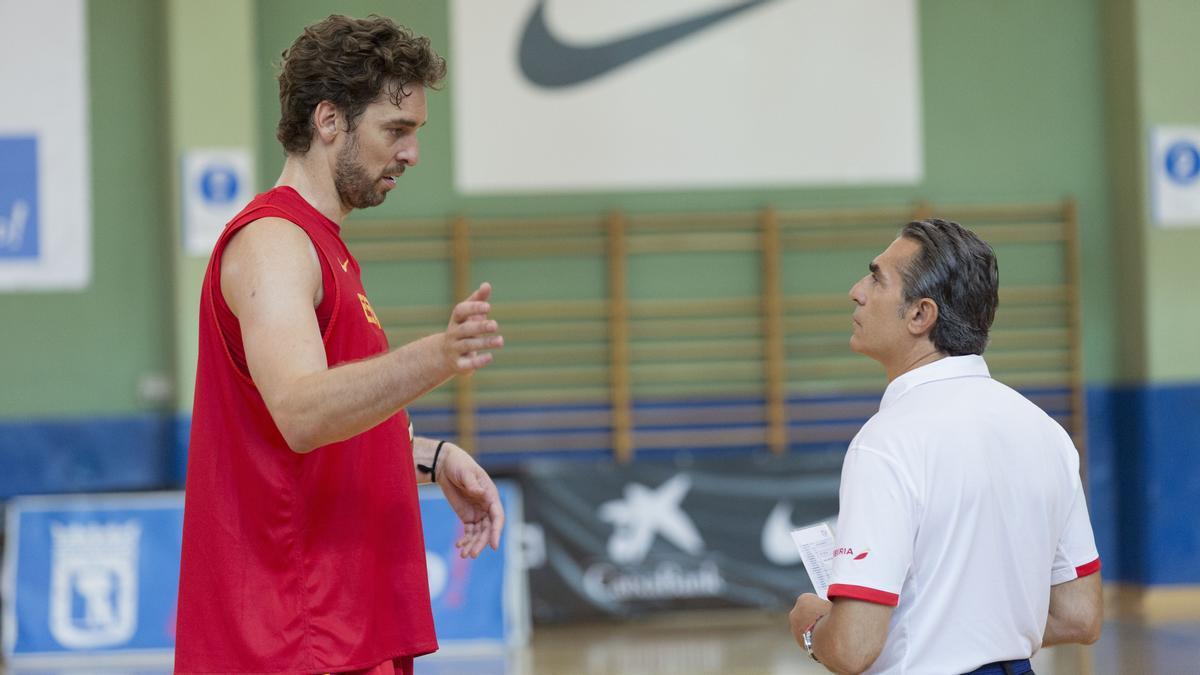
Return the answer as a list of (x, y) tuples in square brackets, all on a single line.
[(816, 552)]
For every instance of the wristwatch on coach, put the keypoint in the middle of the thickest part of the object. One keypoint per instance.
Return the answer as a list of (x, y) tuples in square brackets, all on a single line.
[(807, 637)]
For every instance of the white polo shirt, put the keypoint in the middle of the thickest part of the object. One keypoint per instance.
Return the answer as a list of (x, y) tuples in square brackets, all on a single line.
[(961, 505)]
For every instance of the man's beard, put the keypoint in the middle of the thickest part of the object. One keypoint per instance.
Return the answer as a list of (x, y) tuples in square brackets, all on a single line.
[(355, 188)]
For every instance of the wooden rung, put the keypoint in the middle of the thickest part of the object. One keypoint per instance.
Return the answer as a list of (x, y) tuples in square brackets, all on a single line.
[(408, 250), (973, 215), (809, 411), (743, 414), (554, 332), (1050, 359), (1021, 233), (690, 243), (1033, 294), (699, 350), (817, 345), (355, 230), (566, 420), (719, 327), (560, 225), (404, 335), (563, 246), (535, 355), (1004, 338), (737, 371), (693, 307), (808, 303), (533, 443), (698, 438), (823, 433), (1050, 399), (543, 396), (1040, 316), (822, 217), (808, 241), (1020, 380), (811, 369), (542, 377), (692, 389), (692, 221), (550, 310), (820, 323), (420, 314)]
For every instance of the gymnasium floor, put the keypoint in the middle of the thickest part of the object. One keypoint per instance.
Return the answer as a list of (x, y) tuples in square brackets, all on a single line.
[(758, 643), (755, 643)]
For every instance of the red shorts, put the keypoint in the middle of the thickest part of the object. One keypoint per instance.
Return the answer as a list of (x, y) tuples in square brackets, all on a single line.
[(400, 666)]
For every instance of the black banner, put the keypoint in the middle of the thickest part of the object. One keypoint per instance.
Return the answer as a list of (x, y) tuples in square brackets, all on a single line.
[(618, 540)]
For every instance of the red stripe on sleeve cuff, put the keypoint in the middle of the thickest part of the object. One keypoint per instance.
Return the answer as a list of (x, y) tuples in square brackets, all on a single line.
[(1090, 568), (864, 593)]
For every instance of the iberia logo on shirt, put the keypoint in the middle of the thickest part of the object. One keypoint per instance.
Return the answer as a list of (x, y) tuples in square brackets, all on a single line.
[(849, 552)]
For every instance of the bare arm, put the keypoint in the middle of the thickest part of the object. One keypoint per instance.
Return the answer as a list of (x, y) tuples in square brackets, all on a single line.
[(270, 279), (1076, 612), (850, 634)]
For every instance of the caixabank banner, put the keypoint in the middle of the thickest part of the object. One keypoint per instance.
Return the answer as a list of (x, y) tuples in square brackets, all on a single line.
[(93, 579), (621, 540)]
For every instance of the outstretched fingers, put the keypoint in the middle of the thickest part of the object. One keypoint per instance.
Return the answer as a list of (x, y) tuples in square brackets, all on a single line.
[(471, 333)]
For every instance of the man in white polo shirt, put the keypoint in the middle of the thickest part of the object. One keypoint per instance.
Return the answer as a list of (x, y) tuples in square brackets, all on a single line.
[(963, 541)]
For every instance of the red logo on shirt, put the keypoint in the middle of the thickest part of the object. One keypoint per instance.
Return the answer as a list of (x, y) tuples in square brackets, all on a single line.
[(848, 551)]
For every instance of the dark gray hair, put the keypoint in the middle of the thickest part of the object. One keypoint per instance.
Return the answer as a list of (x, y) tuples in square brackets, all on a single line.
[(957, 270)]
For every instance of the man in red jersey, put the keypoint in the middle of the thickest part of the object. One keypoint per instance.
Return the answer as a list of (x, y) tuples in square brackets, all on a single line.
[(303, 550)]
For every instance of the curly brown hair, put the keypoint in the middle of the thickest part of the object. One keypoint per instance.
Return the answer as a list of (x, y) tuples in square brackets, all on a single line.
[(349, 62)]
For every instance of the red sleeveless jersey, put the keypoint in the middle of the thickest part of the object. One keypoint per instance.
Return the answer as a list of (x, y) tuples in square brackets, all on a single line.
[(296, 563)]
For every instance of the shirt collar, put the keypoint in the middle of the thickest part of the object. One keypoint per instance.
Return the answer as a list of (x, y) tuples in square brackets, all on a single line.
[(947, 368)]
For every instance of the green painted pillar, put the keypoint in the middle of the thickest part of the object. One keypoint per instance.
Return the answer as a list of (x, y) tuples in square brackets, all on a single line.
[(1149, 53), (210, 87)]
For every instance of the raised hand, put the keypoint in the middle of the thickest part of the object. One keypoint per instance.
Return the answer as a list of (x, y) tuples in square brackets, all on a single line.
[(470, 333)]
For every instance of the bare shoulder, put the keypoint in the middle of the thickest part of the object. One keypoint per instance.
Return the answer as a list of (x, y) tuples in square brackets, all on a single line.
[(272, 256)]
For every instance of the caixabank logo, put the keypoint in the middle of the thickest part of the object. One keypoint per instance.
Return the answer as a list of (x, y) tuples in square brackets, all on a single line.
[(644, 515), (18, 198)]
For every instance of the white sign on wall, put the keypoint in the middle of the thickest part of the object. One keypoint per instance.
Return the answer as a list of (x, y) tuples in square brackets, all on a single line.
[(1175, 176), (216, 186), (45, 162), (626, 94)]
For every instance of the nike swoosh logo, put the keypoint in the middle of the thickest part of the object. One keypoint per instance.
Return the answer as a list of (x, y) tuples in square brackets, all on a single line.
[(344, 264), (551, 63), (777, 543)]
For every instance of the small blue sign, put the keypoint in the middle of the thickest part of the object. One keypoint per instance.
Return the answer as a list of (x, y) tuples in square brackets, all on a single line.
[(219, 184), (18, 198), (1183, 162)]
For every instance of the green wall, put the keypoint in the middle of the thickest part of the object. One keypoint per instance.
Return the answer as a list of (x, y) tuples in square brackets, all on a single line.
[(83, 353), (1014, 98)]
